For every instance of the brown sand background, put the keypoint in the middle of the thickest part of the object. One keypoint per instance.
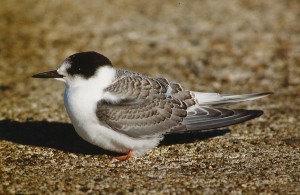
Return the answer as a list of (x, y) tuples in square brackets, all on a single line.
[(227, 46)]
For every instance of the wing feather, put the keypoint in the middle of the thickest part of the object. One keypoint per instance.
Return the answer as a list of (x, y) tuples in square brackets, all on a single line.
[(142, 119), (217, 118), (145, 108)]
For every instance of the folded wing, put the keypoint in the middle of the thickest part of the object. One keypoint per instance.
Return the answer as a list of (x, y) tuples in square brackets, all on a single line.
[(148, 107), (143, 108)]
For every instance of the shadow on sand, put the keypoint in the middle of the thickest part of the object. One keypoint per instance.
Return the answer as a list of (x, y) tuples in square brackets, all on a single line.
[(62, 136)]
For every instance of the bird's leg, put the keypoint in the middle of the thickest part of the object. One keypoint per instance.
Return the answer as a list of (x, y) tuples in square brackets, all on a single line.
[(124, 157)]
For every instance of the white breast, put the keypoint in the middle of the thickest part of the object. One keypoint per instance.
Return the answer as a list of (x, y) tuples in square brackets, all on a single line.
[(81, 97)]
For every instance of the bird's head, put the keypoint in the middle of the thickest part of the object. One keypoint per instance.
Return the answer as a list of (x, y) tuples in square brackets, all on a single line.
[(78, 67)]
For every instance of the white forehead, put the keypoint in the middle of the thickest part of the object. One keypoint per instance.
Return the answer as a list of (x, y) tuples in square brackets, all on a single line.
[(64, 67)]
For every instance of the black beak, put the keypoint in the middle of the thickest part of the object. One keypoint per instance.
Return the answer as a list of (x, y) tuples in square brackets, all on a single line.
[(50, 74)]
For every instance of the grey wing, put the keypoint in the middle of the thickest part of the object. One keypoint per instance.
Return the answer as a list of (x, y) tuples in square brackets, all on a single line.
[(144, 109), (142, 118), (205, 118)]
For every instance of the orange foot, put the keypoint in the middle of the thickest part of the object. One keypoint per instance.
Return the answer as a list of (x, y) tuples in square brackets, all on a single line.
[(124, 157)]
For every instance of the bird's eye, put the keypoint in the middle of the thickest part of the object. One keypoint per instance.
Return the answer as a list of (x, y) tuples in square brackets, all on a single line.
[(79, 69)]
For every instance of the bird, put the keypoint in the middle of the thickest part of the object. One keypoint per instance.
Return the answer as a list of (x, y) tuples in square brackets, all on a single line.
[(130, 113)]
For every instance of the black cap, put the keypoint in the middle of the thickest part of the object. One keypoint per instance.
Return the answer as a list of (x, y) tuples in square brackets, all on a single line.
[(86, 63)]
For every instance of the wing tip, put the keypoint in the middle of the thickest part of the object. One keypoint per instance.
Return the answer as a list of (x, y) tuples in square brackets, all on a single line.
[(240, 116), (255, 113), (264, 94)]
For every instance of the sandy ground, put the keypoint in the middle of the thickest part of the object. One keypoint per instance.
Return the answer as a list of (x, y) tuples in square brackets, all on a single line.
[(227, 46)]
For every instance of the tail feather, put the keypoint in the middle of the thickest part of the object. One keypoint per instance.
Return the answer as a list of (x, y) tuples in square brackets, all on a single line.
[(215, 99)]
